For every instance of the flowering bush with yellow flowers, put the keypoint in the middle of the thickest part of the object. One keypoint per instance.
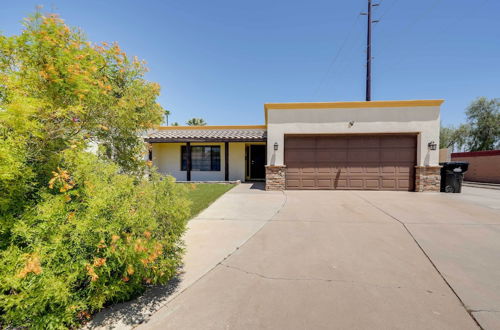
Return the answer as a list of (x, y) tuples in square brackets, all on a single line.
[(95, 237), (78, 230)]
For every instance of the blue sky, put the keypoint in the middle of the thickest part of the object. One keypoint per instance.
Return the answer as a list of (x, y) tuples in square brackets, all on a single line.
[(222, 60)]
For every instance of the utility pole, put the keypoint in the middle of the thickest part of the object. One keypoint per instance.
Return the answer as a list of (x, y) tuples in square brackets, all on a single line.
[(369, 50)]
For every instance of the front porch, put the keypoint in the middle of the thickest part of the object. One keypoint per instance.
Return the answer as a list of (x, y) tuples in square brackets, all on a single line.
[(209, 153)]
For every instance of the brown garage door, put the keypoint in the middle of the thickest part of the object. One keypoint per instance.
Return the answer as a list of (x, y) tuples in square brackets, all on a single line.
[(371, 162)]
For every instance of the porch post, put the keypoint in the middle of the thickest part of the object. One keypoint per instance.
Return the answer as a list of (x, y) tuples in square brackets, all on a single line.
[(150, 152), (226, 161), (150, 157), (188, 161)]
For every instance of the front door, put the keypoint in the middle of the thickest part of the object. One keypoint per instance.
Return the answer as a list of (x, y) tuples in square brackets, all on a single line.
[(257, 161)]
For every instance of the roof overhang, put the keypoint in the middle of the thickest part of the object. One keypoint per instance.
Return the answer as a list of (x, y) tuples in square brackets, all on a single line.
[(196, 134)]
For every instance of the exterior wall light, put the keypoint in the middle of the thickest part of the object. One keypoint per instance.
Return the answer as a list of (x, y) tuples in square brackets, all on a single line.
[(432, 145), (275, 146)]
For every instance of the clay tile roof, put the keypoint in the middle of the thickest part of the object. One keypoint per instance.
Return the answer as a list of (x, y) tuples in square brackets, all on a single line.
[(208, 134)]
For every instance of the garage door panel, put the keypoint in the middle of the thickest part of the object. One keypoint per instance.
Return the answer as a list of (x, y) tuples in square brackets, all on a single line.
[(389, 155), (388, 169), (372, 184), (399, 141), (404, 170), (301, 155), (350, 162), (324, 155), (303, 142), (325, 183), (293, 184), (355, 156), (355, 170), (407, 154), (340, 184), (355, 183), (325, 169), (389, 184), (308, 170), (331, 142), (372, 155), (308, 183), (339, 156), (363, 142), (372, 169), (404, 184), (292, 170)]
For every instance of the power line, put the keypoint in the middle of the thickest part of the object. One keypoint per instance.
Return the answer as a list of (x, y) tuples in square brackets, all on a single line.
[(419, 18), (467, 15), (337, 55), (389, 7), (441, 31)]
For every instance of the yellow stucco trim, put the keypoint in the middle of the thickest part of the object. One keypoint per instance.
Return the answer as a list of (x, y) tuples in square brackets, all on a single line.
[(354, 104), (211, 127)]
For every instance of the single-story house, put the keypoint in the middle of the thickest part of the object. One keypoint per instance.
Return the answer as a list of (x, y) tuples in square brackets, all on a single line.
[(376, 145)]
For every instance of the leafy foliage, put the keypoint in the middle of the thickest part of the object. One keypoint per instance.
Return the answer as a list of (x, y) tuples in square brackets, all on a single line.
[(77, 229), (196, 122), (454, 138), (77, 92), (481, 132), (97, 236), (483, 116)]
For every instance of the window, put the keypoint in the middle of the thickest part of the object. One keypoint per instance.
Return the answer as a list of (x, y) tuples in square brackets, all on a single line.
[(203, 158)]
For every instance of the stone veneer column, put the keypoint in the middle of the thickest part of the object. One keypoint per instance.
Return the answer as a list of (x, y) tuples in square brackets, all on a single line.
[(428, 178), (275, 177)]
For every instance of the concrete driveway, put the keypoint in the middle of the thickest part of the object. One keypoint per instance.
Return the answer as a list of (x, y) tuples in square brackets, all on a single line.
[(337, 260)]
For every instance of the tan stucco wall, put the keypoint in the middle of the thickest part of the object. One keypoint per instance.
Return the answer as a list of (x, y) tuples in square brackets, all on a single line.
[(444, 155), (423, 120), (237, 161), (167, 158), (481, 168)]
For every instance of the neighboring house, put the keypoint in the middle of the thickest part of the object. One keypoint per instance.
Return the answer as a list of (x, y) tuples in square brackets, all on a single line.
[(377, 145), (484, 166)]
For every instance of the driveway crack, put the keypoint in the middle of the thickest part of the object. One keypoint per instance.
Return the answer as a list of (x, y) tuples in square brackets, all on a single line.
[(426, 256), (483, 311), (276, 278)]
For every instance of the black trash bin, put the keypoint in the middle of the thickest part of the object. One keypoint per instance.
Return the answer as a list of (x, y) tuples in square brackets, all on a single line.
[(452, 175)]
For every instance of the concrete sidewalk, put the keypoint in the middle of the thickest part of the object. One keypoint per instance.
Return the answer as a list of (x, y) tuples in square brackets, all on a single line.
[(212, 236)]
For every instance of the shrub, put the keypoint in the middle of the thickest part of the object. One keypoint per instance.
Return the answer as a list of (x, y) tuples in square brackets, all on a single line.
[(97, 236)]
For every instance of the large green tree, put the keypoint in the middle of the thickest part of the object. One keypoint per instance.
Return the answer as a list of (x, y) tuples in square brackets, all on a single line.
[(483, 116), (454, 138)]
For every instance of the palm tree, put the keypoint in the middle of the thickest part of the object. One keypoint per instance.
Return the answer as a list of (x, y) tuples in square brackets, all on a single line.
[(167, 113), (196, 122)]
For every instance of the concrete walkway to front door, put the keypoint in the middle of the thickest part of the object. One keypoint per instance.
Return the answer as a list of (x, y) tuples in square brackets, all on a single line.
[(212, 236), (337, 260)]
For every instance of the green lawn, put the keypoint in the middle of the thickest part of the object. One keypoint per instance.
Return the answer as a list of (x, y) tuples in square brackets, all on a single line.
[(204, 194)]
